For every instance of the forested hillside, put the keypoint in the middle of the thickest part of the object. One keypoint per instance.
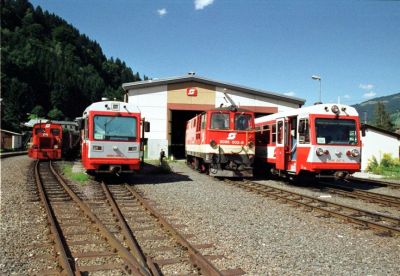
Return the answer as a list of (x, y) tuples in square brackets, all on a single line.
[(369, 110), (49, 68)]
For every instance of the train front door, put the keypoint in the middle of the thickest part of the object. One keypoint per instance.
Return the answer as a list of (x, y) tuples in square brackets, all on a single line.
[(281, 141)]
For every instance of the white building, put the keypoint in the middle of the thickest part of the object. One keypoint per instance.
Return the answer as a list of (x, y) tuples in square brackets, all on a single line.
[(376, 142), (168, 103)]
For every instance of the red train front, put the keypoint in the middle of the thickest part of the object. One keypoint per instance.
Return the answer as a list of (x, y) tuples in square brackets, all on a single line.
[(221, 142), (46, 141), (319, 140), (111, 137)]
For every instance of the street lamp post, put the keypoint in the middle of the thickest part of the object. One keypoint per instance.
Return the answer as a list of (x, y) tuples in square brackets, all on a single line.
[(315, 77)]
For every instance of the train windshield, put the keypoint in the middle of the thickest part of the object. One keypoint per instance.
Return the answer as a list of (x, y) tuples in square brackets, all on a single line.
[(243, 121), (112, 128), (220, 120), (336, 131)]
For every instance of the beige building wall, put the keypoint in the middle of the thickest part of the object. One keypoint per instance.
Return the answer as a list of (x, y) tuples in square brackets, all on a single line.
[(177, 93)]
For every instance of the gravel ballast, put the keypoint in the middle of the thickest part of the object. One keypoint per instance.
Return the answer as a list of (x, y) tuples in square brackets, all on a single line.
[(263, 236), (260, 235)]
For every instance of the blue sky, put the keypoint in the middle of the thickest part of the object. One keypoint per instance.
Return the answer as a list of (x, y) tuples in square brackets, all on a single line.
[(276, 45)]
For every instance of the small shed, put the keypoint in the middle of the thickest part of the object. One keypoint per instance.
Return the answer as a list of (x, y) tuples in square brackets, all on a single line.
[(376, 142), (10, 140)]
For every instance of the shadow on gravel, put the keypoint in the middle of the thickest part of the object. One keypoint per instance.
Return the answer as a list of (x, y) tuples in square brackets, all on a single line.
[(149, 174)]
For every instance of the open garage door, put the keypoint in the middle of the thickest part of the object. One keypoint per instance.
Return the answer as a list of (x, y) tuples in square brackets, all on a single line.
[(177, 129)]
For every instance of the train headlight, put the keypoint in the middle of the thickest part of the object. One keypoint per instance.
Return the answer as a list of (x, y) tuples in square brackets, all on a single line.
[(56, 146), (250, 144), (97, 148), (321, 152), (335, 109), (213, 144), (353, 153)]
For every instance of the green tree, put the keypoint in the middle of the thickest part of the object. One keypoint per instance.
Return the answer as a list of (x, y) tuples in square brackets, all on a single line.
[(37, 112), (382, 118), (55, 114)]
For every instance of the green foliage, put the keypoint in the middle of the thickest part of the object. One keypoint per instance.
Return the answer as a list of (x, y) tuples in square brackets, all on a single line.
[(55, 114), (80, 177), (389, 166), (382, 118), (46, 62), (37, 112)]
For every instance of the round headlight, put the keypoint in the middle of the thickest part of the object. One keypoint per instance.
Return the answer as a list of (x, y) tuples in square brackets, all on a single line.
[(355, 153), (335, 109), (319, 152), (250, 144), (213, 144), (56, 146)]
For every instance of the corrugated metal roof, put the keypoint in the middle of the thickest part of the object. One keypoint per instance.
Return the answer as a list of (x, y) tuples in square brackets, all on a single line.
[(156, 82)]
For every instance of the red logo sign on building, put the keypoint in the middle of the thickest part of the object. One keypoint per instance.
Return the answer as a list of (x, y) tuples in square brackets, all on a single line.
[(191, 91)]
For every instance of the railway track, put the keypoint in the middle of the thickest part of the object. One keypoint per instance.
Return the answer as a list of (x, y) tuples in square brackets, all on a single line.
[(386, 200), (83, 244), (115, 230), (374, 182), (171, 251), (385, 225)]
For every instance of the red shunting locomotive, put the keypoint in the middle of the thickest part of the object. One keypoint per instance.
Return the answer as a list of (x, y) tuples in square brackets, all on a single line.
[(46, 141), (221, 142)]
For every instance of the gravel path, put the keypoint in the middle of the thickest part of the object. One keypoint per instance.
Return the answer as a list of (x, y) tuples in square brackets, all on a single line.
[(265, 237), (23, 236)]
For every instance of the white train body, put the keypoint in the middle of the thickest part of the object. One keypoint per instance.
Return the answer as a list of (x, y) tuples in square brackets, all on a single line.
[(322, 139)]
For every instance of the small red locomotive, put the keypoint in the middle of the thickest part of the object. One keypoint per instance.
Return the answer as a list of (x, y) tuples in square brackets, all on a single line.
[(320, 140), (111, 137), (46, 141), (221, 142)]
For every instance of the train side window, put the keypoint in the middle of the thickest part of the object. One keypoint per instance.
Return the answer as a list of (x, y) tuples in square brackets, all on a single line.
[(86, 131), (274, 133), (203, 121), (304, 131), (280, 132)]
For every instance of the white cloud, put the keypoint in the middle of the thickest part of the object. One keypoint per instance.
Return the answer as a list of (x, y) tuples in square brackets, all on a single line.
[(290, 93), (347, 96), (369, 94), (366, 86), (162, 12), (201, 4)]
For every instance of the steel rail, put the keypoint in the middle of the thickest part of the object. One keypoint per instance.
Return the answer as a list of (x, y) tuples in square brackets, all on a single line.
[(130, 239), (361, 194), (204, 265), (11, 154), (133, 264), (68, 268), (373, 181), (261, 189)]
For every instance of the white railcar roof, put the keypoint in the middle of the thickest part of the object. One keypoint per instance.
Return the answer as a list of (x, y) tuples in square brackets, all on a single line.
[(112, 106), (321, 109)]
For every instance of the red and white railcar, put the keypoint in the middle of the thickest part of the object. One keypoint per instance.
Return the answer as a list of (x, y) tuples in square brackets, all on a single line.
[(221, 142), (111, 137), (46, 141), (323, 139)]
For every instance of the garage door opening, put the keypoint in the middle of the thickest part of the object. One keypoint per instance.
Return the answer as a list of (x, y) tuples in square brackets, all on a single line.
[(177, 130)]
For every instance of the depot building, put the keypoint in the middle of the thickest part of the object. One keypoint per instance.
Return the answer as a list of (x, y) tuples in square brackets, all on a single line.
[(169, 103)]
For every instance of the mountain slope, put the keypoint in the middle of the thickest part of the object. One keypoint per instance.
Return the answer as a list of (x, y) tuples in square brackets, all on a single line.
[(367, 109), (49, 68)]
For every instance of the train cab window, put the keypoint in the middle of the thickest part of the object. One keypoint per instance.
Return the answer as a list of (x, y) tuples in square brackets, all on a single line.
[(335, 131), (55, 131), (243, 121), (220, 120), (304, 131), (113, 128), (39, 130)]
